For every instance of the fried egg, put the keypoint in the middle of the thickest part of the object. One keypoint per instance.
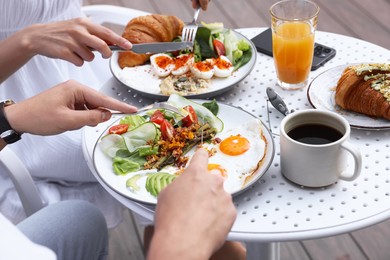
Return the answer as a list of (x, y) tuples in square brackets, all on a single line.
[(203, 69), (238, 155), (223, 67), (182, 64), (162, 64)]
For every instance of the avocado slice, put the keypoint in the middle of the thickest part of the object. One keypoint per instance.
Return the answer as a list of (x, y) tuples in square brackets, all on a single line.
[(132, 182)]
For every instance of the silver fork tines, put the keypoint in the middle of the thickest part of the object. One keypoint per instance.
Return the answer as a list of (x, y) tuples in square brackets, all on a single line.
[(156, 106), (190, 29)]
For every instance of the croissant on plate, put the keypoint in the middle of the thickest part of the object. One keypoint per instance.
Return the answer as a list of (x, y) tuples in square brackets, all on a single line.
[(148, 28), (365, 88)]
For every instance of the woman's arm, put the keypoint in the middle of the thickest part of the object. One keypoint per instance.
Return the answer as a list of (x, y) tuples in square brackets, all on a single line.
[(62, 108), (69, 40)]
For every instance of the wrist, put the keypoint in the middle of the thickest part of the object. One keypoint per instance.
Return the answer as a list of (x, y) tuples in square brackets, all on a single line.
[(27, 41), (7, 133), (167, 246)]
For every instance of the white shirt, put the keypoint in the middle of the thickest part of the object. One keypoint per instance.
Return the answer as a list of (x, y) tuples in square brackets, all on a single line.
[(16, 246), (51, 158)]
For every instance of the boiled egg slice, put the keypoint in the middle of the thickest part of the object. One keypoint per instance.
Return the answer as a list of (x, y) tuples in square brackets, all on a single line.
[(162, 64), (203, 69), (182, 64), (223, 67)]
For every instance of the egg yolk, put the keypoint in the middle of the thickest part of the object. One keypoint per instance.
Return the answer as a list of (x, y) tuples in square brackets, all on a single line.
[(217, 169), (203, 66), (163, 61), (222, 64), (234, 145)]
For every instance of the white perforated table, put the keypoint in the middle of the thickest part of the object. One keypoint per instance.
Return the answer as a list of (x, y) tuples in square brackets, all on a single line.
[(274, 210)]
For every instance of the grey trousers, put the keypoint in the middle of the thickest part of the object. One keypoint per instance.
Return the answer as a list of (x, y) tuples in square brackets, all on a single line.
[(72, 229)]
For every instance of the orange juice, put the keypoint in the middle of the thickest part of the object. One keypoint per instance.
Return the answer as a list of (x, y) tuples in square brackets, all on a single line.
[(293, 47)]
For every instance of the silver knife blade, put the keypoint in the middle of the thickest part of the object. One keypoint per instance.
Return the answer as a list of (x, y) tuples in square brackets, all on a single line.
[(157, 47)]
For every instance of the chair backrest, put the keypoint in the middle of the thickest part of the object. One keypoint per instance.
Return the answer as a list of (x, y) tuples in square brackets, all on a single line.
[(111, 14), (22, 180)]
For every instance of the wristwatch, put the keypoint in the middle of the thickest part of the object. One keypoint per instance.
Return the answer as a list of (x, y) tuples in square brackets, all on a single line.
[(8, 134)]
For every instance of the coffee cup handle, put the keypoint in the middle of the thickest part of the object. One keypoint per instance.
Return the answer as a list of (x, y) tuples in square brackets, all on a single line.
[(357, 159)]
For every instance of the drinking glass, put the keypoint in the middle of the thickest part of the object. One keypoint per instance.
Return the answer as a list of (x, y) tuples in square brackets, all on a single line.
[(293, 24)]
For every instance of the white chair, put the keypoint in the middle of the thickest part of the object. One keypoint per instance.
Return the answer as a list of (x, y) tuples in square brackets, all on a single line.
[(20, 176)]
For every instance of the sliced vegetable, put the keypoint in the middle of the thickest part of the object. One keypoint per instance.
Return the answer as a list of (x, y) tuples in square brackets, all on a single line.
[(142, 135), (219, 47), (111, 144), (167, 130), (203, 113), (118, 129), (157, 117), (190, 118), (132, 182), (156, 182)]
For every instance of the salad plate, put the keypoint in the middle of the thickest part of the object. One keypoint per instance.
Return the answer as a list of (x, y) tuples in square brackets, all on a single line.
[(231, 117), (321, 94), (143, 80)]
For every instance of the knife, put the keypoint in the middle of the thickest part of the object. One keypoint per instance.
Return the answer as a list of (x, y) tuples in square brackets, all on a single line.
[(156, 47)]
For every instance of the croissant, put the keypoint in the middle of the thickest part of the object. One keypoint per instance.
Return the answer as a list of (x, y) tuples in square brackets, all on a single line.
[(365, 88), (148, 28)]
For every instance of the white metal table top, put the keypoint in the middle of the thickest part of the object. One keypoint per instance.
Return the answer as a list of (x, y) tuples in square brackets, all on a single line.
[(275, 209)]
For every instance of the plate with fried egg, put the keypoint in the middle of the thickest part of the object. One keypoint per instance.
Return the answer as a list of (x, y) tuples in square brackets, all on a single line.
[(241, 152), (158, 83)]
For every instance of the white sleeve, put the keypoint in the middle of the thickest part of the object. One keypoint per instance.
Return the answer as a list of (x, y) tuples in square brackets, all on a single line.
[(15, 245)]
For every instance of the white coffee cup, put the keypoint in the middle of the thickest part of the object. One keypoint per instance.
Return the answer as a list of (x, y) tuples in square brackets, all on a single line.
[(314, 155)]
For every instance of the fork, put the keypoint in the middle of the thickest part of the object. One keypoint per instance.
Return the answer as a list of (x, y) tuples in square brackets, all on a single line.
[(156, 106), (189, 30)]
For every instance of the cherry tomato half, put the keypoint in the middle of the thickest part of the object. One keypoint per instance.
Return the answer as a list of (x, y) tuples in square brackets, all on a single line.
[(190, 118), (167, 130), (118, 129), (219, 47), (157, 117)]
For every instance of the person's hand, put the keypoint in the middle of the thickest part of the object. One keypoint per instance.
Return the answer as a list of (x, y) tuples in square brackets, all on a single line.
[(202, 3), (193, 215), (62, 108), (71, 40)]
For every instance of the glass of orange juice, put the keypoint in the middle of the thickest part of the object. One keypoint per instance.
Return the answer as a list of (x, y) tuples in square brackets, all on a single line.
[(293, 24)]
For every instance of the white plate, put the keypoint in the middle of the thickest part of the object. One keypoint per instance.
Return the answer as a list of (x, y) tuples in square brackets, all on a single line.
[(231, 116), (144, 81), (321, 95)]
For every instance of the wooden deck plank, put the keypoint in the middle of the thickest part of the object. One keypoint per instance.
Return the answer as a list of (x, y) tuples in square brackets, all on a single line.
[(336, 247), (374, 240)]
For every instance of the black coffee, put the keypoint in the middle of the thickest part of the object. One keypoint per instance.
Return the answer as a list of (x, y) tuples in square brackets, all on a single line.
[(314, 134)]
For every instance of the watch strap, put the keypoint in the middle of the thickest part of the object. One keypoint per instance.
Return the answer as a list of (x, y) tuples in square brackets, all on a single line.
[(6, 132)]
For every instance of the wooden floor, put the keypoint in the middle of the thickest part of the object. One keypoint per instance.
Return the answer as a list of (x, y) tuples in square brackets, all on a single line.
[(363, 19)]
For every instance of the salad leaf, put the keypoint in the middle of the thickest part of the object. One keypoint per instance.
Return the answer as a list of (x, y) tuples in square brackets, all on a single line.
[(243, 45), (203, 36), (212, 106), (213, 27), (123, 166), (244, 59), (133, 121)]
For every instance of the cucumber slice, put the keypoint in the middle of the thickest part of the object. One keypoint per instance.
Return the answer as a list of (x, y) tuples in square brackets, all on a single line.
[(111, 143), (202, 112), (140, 136)]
